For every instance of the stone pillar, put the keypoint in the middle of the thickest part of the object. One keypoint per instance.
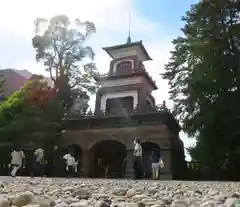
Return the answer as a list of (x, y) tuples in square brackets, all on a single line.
[(142, 98), (129, 166), (58, 164), (166, 172), (85, 164)]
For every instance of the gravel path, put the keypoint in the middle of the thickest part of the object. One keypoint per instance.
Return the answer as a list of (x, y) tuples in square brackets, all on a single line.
[(60, 192)]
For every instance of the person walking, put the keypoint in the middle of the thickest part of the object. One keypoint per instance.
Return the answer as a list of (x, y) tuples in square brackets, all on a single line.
[(137, 159), (155, 165), (71, 164), (17, 161), (38, 162), (161, 164)]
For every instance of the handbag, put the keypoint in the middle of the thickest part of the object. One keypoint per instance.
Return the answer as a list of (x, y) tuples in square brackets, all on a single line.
[(161, 164)]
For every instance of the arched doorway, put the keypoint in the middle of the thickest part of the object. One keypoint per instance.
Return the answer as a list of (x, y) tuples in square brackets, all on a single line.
[(107, 159), (148, 147), (76, 151)]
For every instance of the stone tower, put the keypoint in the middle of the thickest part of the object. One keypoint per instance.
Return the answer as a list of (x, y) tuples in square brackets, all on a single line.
[(125, 109), (127, 87)]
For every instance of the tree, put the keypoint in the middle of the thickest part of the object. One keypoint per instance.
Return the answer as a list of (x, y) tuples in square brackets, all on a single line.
[(27, 115), (204, 79), (68, 59)]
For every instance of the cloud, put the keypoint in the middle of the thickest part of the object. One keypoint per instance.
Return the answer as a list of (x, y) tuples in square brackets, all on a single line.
[(111, 18)]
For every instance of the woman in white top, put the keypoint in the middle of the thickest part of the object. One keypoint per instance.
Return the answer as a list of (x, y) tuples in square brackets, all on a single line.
[(71, 164), (17, 161)]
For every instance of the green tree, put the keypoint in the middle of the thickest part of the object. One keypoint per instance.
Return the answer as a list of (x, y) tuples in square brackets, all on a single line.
[(204, 79), (26, 116), (62, 46)]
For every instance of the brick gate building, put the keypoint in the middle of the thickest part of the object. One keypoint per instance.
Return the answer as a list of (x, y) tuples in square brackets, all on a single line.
[(125, 109)]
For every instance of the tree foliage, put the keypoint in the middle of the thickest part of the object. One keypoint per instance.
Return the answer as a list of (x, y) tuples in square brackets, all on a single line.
[(31, 115), (62, 46), (204, 79)]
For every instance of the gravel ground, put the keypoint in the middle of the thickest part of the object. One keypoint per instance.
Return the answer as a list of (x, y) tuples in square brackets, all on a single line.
[(59, 192)]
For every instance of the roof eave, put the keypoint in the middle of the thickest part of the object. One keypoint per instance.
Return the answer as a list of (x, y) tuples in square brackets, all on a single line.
[(145, 51), (108, 49), (98, 79)]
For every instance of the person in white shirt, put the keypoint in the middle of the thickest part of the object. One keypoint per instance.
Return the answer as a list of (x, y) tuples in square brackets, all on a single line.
[(137, 149), (137, 161), (39, 154), (17, 161), (38, 162), (71, 164)]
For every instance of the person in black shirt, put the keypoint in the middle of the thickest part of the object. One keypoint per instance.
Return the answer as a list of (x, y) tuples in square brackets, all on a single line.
[(155, 165)]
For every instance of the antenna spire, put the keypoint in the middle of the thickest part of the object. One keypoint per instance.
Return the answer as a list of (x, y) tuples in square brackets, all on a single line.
[(129, 26)]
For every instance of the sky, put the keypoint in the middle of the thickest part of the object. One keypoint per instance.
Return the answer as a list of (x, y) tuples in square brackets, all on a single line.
[(156, 22)]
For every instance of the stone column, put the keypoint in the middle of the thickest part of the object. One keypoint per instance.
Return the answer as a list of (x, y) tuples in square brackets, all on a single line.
[(142, 98), (166, 172), (129, 166), (85, 164)]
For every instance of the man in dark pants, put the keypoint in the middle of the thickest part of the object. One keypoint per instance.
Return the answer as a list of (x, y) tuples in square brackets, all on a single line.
[(38, 158), (137, 159)]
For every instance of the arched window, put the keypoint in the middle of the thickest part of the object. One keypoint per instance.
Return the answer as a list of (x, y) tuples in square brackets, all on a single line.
[(123, 67)]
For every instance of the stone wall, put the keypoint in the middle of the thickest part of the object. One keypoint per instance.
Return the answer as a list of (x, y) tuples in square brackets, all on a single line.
[(86, 139)]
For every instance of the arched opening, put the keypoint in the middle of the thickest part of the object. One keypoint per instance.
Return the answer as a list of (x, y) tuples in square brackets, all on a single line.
[(124, 67), (107, 159), (148, 147), (76, 151)]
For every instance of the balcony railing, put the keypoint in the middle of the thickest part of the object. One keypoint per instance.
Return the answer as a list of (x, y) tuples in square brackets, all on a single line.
[(138, 110), (135, 70)]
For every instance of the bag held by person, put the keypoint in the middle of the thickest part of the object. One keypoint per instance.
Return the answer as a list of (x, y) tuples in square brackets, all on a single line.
[(161, 164)]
